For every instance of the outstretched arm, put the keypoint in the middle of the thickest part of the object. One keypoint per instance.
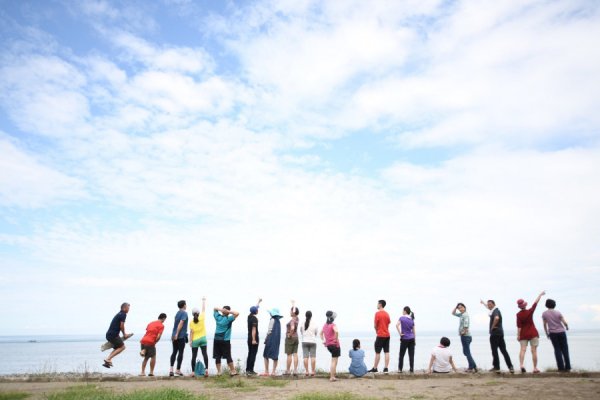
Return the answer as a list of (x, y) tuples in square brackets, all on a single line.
[(537, 299), (203, 304)]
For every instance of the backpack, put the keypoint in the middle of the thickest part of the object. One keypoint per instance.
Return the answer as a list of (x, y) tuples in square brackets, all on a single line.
[(200, 369)]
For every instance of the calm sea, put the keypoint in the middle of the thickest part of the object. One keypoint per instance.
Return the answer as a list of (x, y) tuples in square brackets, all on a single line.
[(43, 354)]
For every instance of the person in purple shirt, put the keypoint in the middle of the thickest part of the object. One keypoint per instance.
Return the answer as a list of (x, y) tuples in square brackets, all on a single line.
[(406, 329), (556, 326)]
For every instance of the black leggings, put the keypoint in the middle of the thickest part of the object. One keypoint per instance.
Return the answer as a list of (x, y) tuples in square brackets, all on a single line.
[(178, 347), (195, 355), (408, 344)]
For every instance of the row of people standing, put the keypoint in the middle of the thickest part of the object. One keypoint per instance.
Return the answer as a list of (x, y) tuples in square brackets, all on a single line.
[(554, 325)]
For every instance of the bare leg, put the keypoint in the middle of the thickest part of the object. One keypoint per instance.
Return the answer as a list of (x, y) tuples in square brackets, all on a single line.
[(219, 368), (267, 366), (522, 354), (314, 365), (144, 366), (334, 361), (232, 368), (115, 353), (387, 360), (288, 364), (152, 365), (275, 367), (534, 357), (306, 370), (376, 363)]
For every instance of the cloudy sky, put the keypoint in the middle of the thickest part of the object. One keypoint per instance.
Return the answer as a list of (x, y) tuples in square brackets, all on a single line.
[(424, 152)]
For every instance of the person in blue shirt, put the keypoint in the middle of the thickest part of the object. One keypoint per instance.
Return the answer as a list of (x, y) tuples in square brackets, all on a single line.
[(112, 334), (357, 367), (179, 337), (222, 343)]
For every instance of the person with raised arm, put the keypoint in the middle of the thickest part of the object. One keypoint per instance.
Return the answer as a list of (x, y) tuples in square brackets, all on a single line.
[(198, 336), (291, 340), (331, 339), (527, 333), (464, 332), (497, 337), (224, 318), (555, 327), (252, 338)]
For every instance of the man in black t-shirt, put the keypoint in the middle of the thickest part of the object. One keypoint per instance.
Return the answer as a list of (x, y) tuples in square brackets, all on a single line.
[(252, 339), (112, 334), (497, 337)]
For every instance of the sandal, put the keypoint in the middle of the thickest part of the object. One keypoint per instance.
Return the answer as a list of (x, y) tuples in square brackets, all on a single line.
[(150, 374)]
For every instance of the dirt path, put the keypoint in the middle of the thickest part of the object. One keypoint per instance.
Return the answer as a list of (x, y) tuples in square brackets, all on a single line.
[(482, 386)]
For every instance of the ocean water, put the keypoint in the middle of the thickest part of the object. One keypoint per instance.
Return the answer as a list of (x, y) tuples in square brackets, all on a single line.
[(44, 354)]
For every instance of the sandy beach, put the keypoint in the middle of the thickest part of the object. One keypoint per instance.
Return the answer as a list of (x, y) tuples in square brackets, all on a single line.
[(476, 386)]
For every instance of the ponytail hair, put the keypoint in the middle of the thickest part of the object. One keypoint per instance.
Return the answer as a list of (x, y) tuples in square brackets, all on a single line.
[(307, 321), (409, 312), (196, 318), (355, 344)]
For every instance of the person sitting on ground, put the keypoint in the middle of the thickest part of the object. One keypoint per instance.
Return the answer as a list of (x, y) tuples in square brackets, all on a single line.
[(357, 367), (441, 358)]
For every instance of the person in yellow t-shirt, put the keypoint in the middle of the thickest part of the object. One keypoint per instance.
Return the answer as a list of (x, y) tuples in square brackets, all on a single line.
[(198, 336)]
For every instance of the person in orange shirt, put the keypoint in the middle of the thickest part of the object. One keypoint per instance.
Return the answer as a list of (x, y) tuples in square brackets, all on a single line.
[(382, 341), (154, 331)]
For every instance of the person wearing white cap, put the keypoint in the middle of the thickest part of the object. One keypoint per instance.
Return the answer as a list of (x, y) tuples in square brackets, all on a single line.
[(272, 341), (198, 336)]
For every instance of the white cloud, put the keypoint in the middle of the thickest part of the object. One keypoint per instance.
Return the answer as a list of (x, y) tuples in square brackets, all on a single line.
[(27, 183)]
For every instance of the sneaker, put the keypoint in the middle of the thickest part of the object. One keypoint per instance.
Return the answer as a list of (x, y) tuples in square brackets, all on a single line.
[(373, 370), (385, 371), (512, 370), (250, 373)]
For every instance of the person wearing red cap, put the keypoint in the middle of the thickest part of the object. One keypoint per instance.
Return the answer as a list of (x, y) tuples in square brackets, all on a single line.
[(527, 333)]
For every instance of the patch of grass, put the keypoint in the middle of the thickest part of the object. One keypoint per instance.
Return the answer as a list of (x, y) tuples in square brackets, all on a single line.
[(329, 396), (493, 383), (13, 395), (91, 392), (272, 382), (417, 397), (387, 388)]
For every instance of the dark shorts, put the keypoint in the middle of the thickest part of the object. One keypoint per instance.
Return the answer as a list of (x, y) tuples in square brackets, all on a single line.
[(291, 345), (150, 351), (335, 351), (222, 349), (116, 342), (382, 343)]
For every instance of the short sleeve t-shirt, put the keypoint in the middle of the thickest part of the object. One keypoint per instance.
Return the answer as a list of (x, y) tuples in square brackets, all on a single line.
[(115, 325), (180, 316), (525, 322), (198, 328), (441, 363), (330, 336), (223, 329), (252, 323), (309, 335), (463, 324), (499, 330), (152, 331), (406, 327), (382, 322), (553, 319)]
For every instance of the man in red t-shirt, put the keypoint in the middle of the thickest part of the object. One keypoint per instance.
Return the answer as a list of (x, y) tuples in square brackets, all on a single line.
[(382, 341), (527, 333), (154, 331)]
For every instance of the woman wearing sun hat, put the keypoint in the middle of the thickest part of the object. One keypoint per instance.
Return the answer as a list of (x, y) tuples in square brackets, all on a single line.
[(272, 341), (526, 332), (330, 337)]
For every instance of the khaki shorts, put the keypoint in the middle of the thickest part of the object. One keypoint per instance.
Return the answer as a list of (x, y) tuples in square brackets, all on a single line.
[(532, 342), (291, 345)]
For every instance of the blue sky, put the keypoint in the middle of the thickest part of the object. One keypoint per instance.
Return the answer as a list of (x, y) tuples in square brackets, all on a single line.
[(425, 152)]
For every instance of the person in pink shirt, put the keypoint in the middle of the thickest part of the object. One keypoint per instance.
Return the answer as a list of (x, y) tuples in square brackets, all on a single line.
[(330, 337)]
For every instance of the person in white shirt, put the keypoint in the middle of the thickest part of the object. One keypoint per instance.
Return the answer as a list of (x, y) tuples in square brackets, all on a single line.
[(441, 358), (309, 333)]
